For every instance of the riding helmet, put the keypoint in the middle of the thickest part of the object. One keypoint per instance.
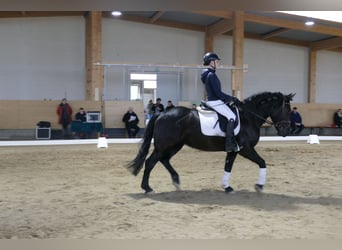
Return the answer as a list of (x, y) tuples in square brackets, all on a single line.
[(208, 57)]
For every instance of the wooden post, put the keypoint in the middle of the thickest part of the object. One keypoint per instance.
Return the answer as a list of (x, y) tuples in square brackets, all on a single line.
[(238, 36), (208, 47), (95, 79), (209, 42), (312, 76)]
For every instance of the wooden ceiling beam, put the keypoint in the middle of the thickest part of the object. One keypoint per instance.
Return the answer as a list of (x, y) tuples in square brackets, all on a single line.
[(221, 14), (156, 16), (16, 14), (220, 27), (331, 43), (166, 23), (328, 30), (273, 33), (277, 39)]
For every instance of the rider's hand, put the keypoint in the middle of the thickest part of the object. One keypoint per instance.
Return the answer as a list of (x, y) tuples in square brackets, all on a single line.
[(237, 101)]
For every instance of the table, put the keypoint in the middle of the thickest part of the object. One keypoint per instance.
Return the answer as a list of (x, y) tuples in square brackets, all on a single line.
[(88, 128)]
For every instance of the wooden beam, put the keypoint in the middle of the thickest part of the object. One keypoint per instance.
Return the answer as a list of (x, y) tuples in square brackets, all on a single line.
[(208, 47), (312, 76), (222, 14), (156, 16), (293, 24), (238, 40), (209, 42), (220, 27), (16, 14), (331, 43), (172, 24), (274, 33), (95, 78), (278, 40)]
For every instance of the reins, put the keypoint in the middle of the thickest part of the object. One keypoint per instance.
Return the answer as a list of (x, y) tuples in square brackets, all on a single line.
[(258, 116)]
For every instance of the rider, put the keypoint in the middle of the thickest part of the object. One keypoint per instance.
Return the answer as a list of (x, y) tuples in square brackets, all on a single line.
[(218, 100)]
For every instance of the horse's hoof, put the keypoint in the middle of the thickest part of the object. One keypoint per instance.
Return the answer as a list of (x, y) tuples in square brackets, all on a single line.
[(177, 186), (258, 188), (149, 192), (229, 190)]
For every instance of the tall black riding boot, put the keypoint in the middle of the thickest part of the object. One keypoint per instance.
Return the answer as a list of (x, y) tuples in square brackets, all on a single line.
[(231, 145)]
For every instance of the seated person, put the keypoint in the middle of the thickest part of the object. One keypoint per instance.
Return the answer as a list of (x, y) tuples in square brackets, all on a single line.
[(81, 115), (169, 105), (131, 121), (296, 122), (338, 118)]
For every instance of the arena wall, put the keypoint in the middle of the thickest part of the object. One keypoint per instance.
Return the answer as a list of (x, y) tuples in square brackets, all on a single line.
[(43, 61), (26, 114)]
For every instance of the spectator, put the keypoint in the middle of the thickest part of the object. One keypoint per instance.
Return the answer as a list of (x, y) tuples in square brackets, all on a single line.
[(64, 112), (131, 121), (81, 115), (149, 109), (194, 106), (338, 118), (296, 122), (169, 105), (158, 107)]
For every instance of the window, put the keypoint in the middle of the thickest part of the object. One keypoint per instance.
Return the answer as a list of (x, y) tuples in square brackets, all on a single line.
[(143, 86)]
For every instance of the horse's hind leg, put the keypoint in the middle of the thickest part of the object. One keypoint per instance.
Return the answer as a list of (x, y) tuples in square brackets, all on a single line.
[(172, 171), (166, 162), (149, 165)]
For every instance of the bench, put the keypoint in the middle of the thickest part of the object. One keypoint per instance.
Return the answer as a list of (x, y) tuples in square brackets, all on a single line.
[(267, 130)]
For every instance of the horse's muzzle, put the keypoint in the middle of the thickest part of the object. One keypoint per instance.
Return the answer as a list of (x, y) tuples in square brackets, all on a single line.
[(283, 128)]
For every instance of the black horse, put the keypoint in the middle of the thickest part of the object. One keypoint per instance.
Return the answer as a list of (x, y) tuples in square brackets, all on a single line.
[(180, 126)]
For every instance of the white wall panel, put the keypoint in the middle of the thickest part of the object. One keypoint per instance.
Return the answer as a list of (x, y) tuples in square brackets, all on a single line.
[(329, 77), (42, 58), (129, 42)]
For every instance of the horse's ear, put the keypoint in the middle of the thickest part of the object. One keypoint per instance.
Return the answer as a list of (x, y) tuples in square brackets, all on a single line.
[(290, 96)]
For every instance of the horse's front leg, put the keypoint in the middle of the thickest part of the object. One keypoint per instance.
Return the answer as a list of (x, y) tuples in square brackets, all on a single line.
[(230, 158), (262, 179), (252, 155)]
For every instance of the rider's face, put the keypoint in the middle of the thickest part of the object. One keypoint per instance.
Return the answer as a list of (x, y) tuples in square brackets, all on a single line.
[(214, 63)]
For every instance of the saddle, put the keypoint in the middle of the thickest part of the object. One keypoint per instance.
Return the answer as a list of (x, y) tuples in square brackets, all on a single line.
[(213, 123)]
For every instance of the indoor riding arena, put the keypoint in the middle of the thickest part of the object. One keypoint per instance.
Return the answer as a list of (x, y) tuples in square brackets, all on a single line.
[(81, 191), (73, 183)]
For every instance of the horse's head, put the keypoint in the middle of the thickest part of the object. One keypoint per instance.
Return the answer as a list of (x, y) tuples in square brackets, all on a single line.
[(280, 114), (270, 104)]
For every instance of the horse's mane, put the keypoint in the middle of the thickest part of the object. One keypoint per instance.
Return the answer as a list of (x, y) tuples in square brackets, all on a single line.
[(263, 98)]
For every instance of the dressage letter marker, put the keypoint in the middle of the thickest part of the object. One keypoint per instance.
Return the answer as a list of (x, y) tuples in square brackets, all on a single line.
[(313, 139), (102, 142)]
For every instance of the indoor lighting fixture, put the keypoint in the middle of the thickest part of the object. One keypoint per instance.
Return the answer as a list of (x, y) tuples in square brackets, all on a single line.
[(309, 23), (116, 13), (334, 16)]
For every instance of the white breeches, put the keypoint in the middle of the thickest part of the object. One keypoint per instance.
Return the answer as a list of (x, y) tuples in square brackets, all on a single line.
[(222, 108)]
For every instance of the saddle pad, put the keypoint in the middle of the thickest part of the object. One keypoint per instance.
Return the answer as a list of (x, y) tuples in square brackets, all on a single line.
[(210, 125)]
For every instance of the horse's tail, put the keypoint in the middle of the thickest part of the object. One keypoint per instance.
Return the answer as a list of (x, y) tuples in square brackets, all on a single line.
[(137, 164)]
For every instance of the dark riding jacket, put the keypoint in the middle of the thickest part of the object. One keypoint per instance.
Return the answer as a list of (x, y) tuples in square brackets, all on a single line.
[(213, 86)]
